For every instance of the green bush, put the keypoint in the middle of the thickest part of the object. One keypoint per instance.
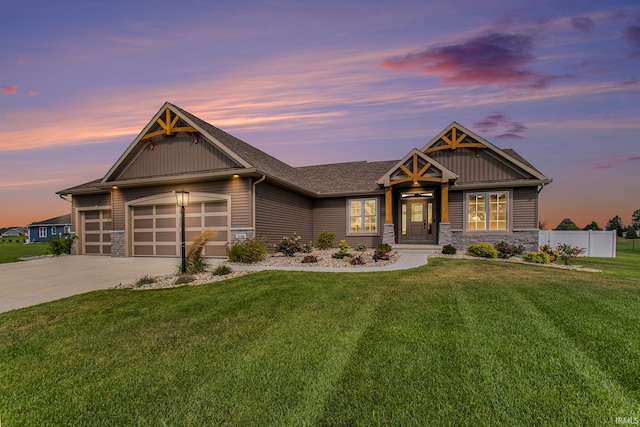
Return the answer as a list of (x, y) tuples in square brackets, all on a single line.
[(289, 245), (325, 240), (538, 257), (222, 270), (449, 250), (482, 250), (341, 254), (384, 248), (360, 247), (146, 280), (344, 245), (184, 279), (247, 252), (506, 251), (60, 245)]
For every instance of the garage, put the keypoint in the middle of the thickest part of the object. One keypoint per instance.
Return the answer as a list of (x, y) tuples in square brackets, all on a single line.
[(156, 227), (96, 226)]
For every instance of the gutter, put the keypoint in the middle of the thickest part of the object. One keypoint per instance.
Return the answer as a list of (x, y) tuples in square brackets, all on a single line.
[(253, 204), (544, 184)]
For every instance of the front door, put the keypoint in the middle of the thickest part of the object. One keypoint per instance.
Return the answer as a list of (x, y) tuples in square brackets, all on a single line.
[(417, 221)]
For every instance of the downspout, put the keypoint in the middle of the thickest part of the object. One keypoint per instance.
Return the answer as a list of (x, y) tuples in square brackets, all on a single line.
[(253, 203)]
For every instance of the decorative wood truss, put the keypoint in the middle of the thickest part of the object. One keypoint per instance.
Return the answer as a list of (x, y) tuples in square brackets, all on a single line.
[(169, 128), (454, 142), (419, 168)]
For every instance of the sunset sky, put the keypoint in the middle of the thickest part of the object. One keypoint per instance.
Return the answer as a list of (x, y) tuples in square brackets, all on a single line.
[(313, 82)]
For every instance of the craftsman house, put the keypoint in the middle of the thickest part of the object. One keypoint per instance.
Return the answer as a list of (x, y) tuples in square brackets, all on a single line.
[(458, 188)]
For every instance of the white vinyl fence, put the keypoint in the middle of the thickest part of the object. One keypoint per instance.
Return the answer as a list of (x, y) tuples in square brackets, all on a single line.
[(595, 243)]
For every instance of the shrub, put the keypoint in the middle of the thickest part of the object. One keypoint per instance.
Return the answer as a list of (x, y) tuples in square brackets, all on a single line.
[(222, 270), (341, 254), (568, 253), (145, 280), (360, 247), (325, 240), (308, 259), (449, 250), (60, 245), (482, 250), (384, 247), (381, 256), (631, 233), (538, 257), (358, 260), (307, 248), (247, 252), (506, 251), (289, 245), (184, 278), (552, 253), (344, 245)]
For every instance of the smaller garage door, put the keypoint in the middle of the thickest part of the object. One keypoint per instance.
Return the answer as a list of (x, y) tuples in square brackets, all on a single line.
[(156, 228), (97, 226)]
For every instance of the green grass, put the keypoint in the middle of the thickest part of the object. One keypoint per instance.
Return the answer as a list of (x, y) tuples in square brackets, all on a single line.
[(453, 343), (16, 249)]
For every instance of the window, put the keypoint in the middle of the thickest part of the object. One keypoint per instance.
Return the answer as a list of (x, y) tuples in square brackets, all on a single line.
[(42, 232), (363, 215), (53, 230), (487, 211)]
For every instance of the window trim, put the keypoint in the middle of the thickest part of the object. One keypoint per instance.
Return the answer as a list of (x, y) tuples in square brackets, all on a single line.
[(487, 195), (362, 200), (42, 232)]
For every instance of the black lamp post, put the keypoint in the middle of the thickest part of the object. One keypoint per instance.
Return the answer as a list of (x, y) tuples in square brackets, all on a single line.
[(182, 199)]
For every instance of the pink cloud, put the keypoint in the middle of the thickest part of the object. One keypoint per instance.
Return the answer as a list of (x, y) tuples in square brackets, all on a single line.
[(9, 90), (21, 60), (32, 93), (493, 58)]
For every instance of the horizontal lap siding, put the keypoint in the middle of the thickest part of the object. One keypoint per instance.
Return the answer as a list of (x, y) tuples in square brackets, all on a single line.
[(239, 190), (330, 214), (456, 210), (280, 213), (525, 208)]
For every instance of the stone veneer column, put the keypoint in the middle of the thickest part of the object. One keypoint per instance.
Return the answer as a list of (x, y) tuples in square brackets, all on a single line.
[(118, 244), (444, 233), (388, 234)]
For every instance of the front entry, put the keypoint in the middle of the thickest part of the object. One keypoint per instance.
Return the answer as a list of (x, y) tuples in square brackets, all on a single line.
[(417, 221)]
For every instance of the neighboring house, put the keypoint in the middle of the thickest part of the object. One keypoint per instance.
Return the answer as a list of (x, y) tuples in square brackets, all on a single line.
[(458, 189), (43, 231), (12, 232)]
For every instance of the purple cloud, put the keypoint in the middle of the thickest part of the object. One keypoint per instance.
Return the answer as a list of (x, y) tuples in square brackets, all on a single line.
[(632, 36), (632, 158), (583, 23), (494, 58), (499, 122), (603, 166)]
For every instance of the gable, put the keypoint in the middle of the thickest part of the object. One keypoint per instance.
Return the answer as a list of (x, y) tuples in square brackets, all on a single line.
[(172, 144), (182, 153), (416, 167)]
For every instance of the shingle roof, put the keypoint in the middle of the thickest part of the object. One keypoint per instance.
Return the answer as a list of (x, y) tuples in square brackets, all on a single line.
[(59, 220), (344, 178)]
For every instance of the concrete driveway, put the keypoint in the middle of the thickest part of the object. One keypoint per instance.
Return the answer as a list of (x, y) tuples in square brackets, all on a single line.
[(27, 283)]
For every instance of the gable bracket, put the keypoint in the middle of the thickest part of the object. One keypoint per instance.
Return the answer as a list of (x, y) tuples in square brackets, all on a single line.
[(169, 128), (416, 175), (455, 142)]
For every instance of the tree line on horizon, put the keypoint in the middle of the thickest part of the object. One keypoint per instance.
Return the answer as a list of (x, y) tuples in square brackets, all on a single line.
[(615, 223)]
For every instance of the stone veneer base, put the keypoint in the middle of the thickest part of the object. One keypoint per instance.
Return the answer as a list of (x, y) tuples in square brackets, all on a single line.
[(118, 244), (388, 234), (526, 238), (237, 235)]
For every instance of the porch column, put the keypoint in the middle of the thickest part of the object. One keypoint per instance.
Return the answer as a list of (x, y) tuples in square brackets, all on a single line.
[(388, 205), (388, 232), (444, 210)]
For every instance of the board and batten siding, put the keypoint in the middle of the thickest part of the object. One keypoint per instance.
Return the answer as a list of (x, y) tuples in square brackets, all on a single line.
[(280, 213), (525, 208), (239, 189), (330, 214), (474, 166), (174, 155), (456, 210), (85, 202)]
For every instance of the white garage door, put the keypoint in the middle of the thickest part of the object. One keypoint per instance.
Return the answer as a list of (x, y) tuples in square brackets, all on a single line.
[(96, 226), (156, 228)]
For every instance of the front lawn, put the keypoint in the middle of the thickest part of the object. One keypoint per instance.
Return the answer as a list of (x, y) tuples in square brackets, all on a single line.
[(456, 342), (14, 248)]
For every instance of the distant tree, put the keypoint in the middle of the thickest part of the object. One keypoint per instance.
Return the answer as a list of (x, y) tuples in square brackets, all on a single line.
[(635, 219), (567, 224), (593, 226), (542, 224), (616, 224), (631, 233)]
